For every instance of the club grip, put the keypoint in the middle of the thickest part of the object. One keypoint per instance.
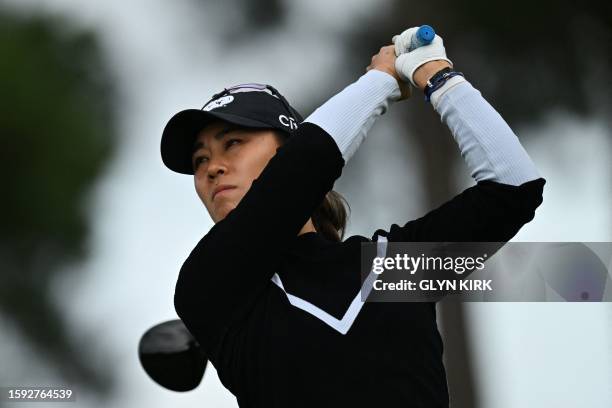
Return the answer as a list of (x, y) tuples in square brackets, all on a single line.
[(424, 35)]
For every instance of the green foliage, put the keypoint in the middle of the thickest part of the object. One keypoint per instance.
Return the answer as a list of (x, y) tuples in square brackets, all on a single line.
[(57, 130), (56, 126)]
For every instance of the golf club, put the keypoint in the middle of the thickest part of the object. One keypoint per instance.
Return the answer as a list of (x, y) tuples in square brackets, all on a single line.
[(171, 356)]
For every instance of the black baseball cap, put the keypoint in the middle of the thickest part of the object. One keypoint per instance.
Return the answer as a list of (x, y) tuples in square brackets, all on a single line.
[(255, 106)]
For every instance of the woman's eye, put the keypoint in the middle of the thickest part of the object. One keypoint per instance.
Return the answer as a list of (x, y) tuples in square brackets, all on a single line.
[(198, 160), (232, 142)]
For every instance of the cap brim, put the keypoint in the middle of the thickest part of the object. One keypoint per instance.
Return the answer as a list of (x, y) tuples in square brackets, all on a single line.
[(180, 133)]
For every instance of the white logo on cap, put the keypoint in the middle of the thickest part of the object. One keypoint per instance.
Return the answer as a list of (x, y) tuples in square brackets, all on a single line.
[(217, 103), (288, 122)]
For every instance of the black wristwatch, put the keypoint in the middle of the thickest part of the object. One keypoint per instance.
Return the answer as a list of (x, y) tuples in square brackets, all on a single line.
[(437, 80)]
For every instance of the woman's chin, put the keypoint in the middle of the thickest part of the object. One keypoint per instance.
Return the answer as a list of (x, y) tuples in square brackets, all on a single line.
[(224, 210)]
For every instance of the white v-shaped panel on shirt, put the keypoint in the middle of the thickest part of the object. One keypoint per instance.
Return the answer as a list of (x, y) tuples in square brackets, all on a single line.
[(341, 325)]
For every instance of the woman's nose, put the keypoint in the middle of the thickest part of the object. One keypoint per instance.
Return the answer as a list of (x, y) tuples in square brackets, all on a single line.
[(215, 168)]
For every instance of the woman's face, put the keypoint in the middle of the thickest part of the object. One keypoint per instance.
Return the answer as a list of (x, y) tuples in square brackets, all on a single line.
[(227, 156)]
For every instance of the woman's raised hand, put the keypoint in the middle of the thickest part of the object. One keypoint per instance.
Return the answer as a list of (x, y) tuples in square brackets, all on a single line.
[(385, 61), (420, 64)]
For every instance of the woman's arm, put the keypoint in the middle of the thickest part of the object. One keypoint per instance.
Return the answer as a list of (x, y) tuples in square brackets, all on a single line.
[(235, 260), (508, 188), (489, 147), (486, 212), (349, 115)]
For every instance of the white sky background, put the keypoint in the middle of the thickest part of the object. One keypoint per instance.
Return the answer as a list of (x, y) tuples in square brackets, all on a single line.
[(146, 219)]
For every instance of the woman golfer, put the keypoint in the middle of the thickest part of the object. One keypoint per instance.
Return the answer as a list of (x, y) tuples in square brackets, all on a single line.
[(271, 292)]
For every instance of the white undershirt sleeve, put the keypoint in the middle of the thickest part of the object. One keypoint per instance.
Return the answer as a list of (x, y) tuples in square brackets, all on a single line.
[(349, 115), (490, 148)]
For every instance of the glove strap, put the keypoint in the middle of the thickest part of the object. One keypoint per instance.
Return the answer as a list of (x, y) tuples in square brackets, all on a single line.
[(438, 80)]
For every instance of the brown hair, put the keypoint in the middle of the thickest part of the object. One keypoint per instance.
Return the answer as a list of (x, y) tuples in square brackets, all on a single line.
[(330, 218)]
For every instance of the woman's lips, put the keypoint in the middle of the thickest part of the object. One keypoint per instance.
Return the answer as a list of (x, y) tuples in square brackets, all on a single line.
[(222, 190)]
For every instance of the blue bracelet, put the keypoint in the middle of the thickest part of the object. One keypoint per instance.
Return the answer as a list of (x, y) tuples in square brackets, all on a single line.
[(438, 80)]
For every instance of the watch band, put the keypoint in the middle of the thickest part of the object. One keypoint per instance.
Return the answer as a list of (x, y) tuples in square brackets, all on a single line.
[(438, 80)]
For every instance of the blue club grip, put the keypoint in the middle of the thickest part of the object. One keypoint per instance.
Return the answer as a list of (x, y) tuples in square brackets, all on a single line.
[(424, 35)]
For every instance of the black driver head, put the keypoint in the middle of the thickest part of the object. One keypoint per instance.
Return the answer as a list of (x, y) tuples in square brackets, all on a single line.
[(171, 356)]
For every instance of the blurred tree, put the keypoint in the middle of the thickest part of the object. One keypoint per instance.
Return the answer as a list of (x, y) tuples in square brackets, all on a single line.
[(58, 131), (244, 18)]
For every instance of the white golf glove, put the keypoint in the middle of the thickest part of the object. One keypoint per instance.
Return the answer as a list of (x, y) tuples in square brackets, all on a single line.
[(408, 62)]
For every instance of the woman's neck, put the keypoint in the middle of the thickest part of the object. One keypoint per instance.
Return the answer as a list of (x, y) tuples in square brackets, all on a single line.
[(308, 227)]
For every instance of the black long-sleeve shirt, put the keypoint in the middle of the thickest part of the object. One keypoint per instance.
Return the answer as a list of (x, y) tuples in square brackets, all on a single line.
[(270, 307)]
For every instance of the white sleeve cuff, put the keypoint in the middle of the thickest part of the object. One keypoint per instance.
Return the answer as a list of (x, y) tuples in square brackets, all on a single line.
[(435, 97), (349, 115)]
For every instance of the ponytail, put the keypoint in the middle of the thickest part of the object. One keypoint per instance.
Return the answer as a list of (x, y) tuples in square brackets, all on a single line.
[(330, 218)]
